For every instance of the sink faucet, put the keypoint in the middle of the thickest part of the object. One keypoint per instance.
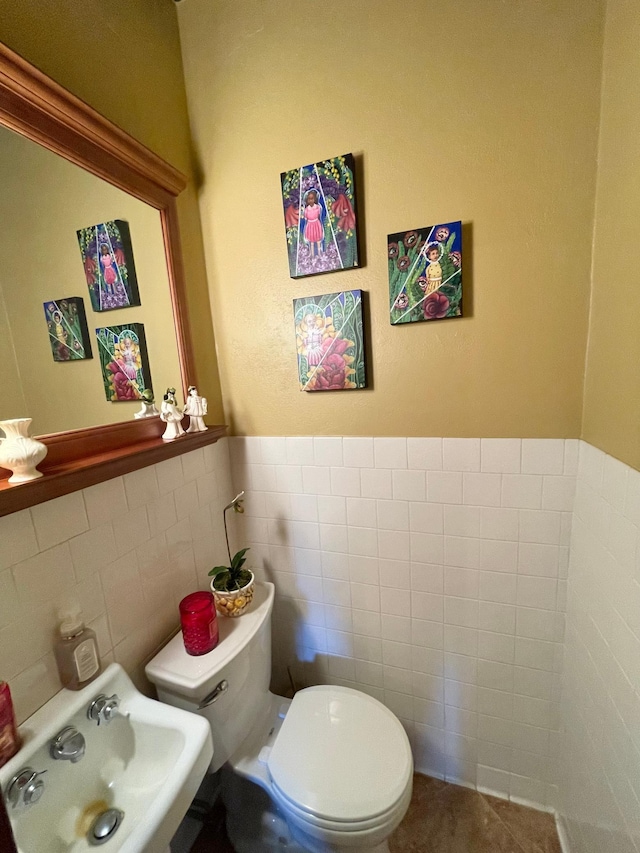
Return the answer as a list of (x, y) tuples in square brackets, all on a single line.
[(69, 745), (104, 708)]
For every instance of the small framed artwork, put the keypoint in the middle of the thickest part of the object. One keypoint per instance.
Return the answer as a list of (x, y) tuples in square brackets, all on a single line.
[(68, 331), (320, 216), (107, 258), (124, 362), (329, 341), (425, 273)]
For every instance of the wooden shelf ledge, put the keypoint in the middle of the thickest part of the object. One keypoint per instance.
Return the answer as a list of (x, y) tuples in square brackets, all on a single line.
[(103, 460)]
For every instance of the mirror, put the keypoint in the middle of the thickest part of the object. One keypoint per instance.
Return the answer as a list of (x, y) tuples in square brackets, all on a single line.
[(44, 375), (40, 110)]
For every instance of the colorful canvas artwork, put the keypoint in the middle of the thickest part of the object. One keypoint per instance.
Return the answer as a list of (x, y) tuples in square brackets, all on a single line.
[(320, 216), (68, 331), (425, 273), (107, 257), (124, 362), (329, 339)]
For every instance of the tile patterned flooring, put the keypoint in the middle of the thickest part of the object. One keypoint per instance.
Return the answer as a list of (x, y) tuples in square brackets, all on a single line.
[(445, 818), (442, 818)]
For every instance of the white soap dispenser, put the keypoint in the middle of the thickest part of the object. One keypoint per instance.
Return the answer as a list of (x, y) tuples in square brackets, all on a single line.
[(76, 651)]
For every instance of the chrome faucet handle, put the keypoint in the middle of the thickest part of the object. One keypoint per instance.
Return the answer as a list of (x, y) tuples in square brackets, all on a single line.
[(26, 788), (104, 708), (68, 745)]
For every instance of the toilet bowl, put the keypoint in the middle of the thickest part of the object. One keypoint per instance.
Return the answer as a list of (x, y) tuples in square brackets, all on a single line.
[(328, 770)]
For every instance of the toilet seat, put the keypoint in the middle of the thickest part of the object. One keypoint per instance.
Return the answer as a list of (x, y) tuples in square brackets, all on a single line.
[(323, 768), (294, 811)]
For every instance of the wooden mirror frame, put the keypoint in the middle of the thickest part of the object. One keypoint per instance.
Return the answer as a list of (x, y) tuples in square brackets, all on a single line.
[(38, 108)]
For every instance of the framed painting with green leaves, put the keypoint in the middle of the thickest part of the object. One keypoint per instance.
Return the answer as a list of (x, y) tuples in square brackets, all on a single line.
[(124, 362), (425, 273), (320, 216), (329, 341), (68, 331)]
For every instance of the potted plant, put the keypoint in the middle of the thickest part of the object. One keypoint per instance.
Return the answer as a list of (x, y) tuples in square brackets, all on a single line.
[(233, 585)]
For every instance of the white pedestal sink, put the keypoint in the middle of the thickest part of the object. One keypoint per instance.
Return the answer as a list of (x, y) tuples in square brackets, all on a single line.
[(147, 763)]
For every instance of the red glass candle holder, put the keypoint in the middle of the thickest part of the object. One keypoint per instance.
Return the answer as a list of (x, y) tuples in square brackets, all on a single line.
[(9, 738), (199, 623)]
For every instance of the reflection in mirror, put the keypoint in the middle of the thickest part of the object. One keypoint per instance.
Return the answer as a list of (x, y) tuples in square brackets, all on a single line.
[(45, 200)]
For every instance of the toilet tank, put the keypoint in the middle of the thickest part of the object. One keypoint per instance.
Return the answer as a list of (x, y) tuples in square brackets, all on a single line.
[(229, 686)]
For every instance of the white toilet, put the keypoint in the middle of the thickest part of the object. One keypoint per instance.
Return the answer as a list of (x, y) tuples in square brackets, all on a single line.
[(330, 769)]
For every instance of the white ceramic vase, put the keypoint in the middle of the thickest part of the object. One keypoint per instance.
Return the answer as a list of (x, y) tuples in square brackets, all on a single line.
[(19, 452)]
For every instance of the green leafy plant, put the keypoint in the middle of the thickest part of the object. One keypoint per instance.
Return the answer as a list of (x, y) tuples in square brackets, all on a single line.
[(232, 577)]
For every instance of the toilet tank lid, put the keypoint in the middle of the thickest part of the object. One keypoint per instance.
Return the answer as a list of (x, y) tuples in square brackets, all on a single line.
[(192, 677), (341, 755)]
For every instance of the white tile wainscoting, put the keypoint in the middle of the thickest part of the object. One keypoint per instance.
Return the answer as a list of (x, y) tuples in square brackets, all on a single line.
[(599, 768), (127, 550), (430, 573)]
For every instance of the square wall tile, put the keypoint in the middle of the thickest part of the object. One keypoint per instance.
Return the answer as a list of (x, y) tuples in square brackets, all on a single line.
[(105, 501), (542, 456), (426, 517), (141, 486), (461, 454), (461, 582), (288, 478), (444, 487), (425, 453), (18, 537), (376, 483), (362, 512), (540, 526), (46, 578), (538, 592), (427, 578), (558, 493), (482, 489), (521, 491), (409, 485), (328, 451), (501, 455), (92, 550), (299, 450), (273, 450), (394, 545), (332, 509), (315, 480), (499, 523), (462, 520), (390, 452), (358, 452), (393, 515), (59, 519), (395, 573)]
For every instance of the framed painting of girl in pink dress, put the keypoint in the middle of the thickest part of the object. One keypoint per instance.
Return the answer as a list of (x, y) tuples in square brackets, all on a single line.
[(107, 259), (329, 341), (320, 216)]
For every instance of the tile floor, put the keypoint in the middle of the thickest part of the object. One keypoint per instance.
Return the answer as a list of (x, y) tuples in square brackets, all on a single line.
[(445, 818), (442, 818)]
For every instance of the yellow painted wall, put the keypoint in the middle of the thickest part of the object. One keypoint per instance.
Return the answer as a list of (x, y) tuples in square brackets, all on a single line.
[(612, 383), (485, 112), (123, 57), (44, 201), (12, 401)]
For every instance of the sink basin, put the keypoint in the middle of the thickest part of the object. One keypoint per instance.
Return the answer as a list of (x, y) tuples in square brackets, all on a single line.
[(147, 762)]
